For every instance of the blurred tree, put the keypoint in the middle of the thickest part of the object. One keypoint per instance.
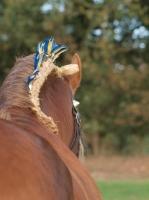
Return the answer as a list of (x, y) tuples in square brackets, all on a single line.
[(112, 40), (23, 24)]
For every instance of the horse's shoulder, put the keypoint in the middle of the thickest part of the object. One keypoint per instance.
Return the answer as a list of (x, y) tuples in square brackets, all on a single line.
[(82, 181), (31, 163)]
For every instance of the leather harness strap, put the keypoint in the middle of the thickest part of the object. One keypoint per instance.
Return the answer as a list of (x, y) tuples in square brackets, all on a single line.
[(77, 129)]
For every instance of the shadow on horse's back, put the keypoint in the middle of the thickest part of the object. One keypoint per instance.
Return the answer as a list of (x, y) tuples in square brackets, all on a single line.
[(42, 136)]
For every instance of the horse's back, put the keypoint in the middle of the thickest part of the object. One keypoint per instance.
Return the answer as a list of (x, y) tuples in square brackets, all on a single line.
[(30, 168)]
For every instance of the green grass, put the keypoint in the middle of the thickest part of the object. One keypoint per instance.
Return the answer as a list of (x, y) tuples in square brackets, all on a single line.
[(124, 190)]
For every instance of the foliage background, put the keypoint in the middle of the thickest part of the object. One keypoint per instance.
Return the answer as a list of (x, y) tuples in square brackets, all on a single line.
[(112, 39)]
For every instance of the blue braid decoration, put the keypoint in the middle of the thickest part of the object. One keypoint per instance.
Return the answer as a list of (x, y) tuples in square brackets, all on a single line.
[(46, 48)]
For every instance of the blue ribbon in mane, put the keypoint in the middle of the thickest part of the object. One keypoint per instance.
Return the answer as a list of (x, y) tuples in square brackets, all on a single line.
[(46, 48)]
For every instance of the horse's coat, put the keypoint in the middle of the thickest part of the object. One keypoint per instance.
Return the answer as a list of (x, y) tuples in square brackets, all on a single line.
[(44, 167), (28, 166)]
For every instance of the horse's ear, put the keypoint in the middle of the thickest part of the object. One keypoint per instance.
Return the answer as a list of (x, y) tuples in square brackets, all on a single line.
[(75, 79)]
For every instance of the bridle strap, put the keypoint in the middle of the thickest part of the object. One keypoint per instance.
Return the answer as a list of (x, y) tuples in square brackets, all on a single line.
[(77, 129)]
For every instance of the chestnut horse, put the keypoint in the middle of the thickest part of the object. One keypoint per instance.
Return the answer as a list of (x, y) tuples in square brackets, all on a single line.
[(35, 155)]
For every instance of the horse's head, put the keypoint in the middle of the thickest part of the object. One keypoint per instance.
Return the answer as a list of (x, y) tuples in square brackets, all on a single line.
[(50, 92), (56, 101)]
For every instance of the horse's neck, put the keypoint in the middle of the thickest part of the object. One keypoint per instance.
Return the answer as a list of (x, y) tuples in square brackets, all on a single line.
[(29, 121), (23, 117), (56, 103)]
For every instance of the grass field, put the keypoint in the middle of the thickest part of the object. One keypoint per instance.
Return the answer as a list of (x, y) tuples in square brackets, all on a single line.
[(124, 190)]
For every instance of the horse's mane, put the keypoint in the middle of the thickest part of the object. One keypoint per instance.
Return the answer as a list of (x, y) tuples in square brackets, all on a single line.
[(14, 91)]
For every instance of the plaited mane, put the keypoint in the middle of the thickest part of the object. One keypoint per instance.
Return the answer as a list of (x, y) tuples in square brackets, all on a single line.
[(47, 52)]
